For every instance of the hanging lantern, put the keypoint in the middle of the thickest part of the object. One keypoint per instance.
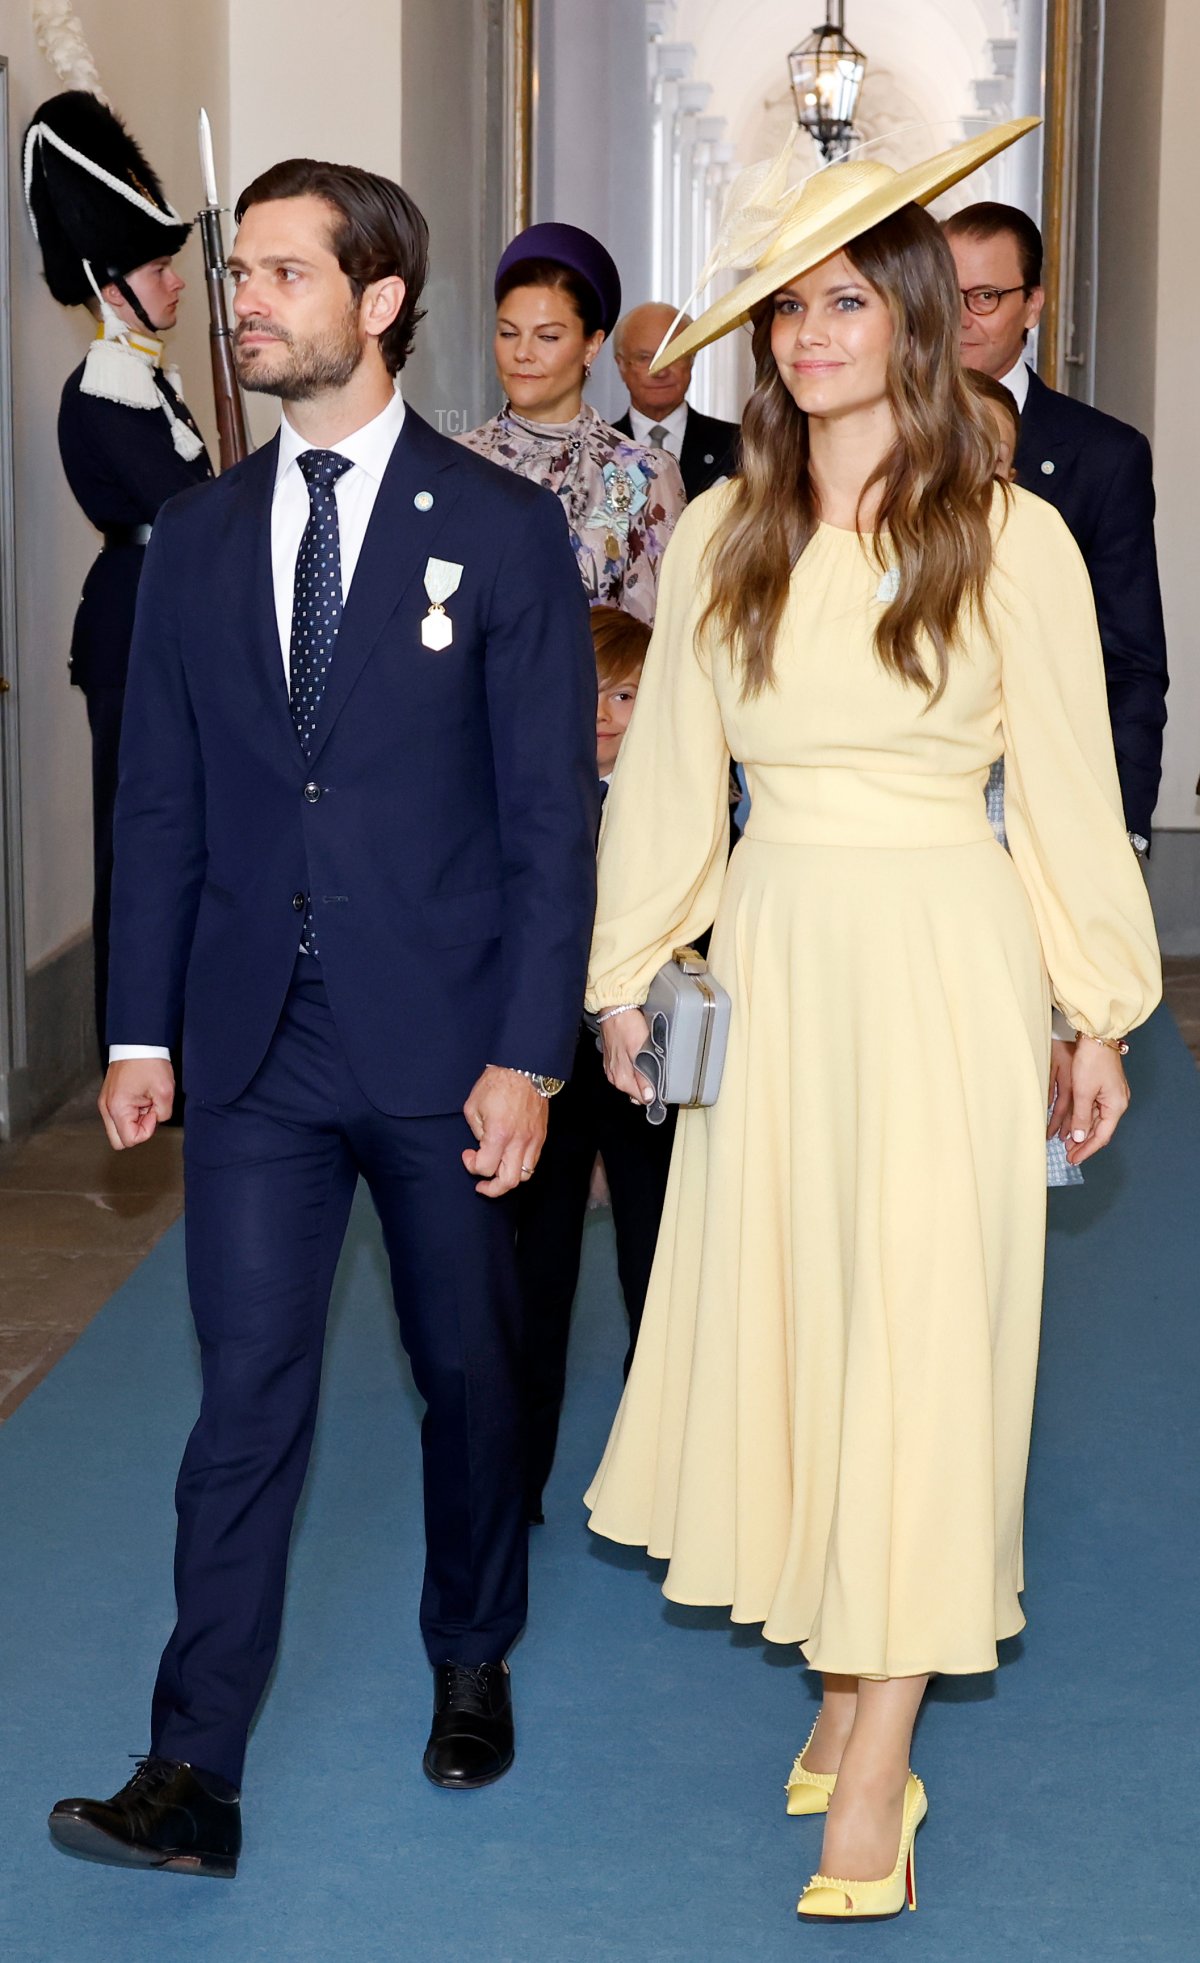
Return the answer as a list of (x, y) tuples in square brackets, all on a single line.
[(827, 72)]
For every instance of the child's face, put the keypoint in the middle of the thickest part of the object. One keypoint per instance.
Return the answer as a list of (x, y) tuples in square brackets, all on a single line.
[(614, 707)]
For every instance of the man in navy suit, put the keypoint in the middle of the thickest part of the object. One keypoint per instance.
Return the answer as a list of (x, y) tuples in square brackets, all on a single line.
[(659, 413), (1097, 473), (355, 861)]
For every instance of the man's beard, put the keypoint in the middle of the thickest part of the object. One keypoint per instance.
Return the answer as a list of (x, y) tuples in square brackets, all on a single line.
[(325, 362)]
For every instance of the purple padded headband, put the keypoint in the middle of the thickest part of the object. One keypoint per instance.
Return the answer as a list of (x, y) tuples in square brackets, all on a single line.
[(569, 246)]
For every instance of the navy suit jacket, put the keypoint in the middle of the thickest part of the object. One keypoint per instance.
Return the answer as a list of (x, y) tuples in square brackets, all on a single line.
[(444, 825), (709, 449), (1102, 485)]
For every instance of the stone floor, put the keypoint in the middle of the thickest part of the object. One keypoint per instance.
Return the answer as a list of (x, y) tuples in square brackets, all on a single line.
[(76, 1218), (1181, 985)]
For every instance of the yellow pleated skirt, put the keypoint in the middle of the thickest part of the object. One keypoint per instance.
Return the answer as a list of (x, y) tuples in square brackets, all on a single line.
[(827, 1423)]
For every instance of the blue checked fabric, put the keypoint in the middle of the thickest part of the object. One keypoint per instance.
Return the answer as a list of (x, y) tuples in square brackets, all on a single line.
[(316, 611)]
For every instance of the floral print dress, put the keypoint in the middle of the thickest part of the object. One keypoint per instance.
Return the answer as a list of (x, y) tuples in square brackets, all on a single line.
[(622, 500)]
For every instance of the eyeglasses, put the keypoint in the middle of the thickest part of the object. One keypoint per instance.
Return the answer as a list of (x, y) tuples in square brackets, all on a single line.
[(985, 299)]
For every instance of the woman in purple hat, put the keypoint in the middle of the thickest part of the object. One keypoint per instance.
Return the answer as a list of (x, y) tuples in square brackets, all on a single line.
[(558, 294)]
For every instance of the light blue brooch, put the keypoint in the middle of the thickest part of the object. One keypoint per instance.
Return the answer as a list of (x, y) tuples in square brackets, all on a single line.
[(624, 494)]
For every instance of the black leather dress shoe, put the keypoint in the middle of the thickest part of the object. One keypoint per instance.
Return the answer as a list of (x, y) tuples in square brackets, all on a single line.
[(471, 1742), (166, 1817)]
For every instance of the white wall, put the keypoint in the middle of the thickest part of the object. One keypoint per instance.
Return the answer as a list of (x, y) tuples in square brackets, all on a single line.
[(306, 81), (1177, 414)]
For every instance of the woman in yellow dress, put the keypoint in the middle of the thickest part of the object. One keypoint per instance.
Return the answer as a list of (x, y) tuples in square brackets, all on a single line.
[(827, 1423)]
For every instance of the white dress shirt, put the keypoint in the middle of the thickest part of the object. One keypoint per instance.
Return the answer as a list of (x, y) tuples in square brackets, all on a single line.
[(370, 449), (1017, 383), (674, 424)]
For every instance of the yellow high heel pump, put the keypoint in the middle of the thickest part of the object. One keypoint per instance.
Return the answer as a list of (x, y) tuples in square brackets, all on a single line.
[(809, 1792), (830, 1900)]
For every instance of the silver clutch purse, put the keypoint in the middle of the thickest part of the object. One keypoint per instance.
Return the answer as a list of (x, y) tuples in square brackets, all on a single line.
[(688, 1013)]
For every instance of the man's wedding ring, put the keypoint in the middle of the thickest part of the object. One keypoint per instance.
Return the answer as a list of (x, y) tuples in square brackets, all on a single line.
[(527, 1172)]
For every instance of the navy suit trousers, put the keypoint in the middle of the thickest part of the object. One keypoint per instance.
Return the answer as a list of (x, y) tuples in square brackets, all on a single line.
[(269, 1182)]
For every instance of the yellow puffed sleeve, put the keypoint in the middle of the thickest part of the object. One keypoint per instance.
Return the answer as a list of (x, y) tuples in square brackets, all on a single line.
[(1063, 812), (665, 837)]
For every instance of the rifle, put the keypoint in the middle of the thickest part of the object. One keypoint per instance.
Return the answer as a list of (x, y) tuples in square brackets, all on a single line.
[(231, 416)]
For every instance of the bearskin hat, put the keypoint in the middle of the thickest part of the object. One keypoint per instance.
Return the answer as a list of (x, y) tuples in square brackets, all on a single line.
[(92, 195)]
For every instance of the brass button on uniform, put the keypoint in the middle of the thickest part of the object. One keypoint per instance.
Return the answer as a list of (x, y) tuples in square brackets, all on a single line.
[(312, 792)]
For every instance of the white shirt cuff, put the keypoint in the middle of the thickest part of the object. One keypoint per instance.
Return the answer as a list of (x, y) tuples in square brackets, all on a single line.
[(1061, 1030), (131, 1052)]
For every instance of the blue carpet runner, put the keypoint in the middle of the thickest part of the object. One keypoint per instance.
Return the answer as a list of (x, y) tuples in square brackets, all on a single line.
[(644, 1819)]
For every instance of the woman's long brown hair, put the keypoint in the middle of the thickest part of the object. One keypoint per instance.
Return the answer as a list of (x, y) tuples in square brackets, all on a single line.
[(937, 480)]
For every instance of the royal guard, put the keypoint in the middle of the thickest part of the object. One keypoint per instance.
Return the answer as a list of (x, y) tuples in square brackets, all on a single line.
[(108, 239)]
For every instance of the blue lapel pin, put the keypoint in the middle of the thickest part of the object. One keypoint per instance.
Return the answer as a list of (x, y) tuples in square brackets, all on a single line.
[(424, 500)]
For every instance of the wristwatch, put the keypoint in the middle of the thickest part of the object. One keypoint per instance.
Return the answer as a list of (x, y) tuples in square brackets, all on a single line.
[(544, 1086), (1140, 845)]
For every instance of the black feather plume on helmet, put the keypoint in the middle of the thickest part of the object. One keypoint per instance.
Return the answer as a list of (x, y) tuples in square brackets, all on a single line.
[(92, 196)]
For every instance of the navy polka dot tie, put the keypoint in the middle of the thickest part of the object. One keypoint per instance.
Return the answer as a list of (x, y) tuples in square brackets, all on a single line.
[(316, 610)]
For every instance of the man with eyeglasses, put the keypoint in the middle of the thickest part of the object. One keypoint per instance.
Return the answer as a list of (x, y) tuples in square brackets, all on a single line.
[(1097, 473)]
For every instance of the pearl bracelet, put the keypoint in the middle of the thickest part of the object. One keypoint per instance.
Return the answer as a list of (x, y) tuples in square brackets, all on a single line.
[(1117, 1043), (620, 1009)]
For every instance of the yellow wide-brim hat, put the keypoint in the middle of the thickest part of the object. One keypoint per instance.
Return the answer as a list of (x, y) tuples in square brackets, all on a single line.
[(796, 229)]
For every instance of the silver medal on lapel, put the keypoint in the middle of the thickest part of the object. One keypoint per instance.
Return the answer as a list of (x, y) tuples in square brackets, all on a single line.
[(442, 578)]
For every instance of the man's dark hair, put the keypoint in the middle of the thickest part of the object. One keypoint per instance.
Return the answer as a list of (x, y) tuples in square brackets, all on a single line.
[(377, 231), (989, 221), (585, 301)]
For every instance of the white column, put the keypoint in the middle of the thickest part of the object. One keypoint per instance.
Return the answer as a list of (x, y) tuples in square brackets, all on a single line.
[(733, 370), (693, 97), (706, 210), (1021, 178), (674, 61)]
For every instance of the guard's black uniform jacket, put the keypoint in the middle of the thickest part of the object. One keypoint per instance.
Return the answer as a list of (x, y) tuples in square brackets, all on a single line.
[(122, 466)]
